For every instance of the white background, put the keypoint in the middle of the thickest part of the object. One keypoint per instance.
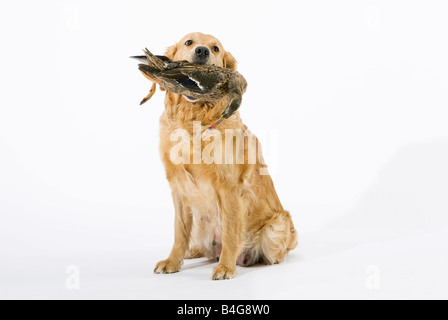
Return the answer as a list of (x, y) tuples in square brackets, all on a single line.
[(349, 99)]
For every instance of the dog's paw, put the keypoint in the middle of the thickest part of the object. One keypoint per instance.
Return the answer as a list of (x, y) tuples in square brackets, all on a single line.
[(222, 272), (168, 266)]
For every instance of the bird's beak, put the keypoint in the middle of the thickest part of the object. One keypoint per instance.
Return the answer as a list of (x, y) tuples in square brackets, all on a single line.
[(141, 59)]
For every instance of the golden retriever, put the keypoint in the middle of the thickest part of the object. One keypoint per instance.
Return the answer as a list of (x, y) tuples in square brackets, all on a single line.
[(226, 211)]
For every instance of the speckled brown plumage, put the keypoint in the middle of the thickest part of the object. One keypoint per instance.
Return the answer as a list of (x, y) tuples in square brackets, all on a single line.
[(195, 81)]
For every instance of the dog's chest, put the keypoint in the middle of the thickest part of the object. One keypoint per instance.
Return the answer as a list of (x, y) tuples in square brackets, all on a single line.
[(198, 192)]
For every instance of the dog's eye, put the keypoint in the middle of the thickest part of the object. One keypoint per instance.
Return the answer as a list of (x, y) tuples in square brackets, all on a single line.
[(216, 48), (189, 43)]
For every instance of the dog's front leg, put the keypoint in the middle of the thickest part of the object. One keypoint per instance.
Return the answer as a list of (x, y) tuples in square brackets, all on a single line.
[(232, 225), (182, 230)]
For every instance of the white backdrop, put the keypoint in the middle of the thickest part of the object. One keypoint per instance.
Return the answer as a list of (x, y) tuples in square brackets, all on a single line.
[(356, 91)]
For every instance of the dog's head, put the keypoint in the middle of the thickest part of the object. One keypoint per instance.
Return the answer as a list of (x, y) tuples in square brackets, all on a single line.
[(201, 48)]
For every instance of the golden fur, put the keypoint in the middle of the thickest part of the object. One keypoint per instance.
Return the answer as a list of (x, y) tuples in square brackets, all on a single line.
[(230, 211)]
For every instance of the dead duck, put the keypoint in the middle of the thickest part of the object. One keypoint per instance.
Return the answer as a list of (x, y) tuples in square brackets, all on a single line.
[(194, 81)]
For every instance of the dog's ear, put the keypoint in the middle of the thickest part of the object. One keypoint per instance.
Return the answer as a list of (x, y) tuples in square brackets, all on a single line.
[(229, 61), (171, 51)]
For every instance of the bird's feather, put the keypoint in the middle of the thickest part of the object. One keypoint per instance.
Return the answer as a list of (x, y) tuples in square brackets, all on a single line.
[(141, 59), (144, 59), (195, 81), (189, 84), (231, 108)]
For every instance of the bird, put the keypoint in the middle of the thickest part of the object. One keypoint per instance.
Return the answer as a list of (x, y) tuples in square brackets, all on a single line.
[(196, 82)]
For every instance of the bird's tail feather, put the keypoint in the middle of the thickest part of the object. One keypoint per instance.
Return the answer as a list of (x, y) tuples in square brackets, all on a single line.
[(154, 61), (141, 59)]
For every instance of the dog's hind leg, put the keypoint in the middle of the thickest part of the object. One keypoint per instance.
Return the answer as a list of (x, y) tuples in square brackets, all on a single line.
[(277, 238)]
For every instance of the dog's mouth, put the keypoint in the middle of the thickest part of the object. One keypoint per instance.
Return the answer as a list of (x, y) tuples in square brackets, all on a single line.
[(200, 61)]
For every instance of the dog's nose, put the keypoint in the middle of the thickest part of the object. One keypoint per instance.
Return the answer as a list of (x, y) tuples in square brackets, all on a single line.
[(202, 52)]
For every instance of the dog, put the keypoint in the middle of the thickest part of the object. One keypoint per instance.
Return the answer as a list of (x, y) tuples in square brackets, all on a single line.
[(225, 211)]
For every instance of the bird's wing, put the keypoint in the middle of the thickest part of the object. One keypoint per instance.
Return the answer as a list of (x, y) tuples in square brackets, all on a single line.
[(149, 72), (173, 76), (196, 78)]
